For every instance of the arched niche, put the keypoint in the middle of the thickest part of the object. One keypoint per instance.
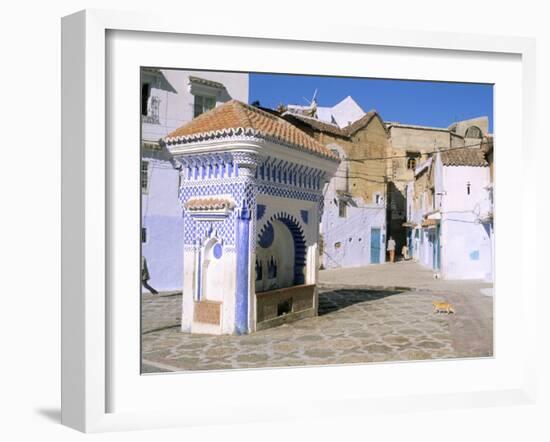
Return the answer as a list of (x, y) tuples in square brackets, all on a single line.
[(212, 271), (280, 254)]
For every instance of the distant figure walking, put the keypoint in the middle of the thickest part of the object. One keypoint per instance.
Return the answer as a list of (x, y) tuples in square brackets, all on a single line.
[(391, 249), (145, 276), (405, 252)]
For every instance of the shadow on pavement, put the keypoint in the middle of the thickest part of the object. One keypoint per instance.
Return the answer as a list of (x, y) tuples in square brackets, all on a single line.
[(334, 300)]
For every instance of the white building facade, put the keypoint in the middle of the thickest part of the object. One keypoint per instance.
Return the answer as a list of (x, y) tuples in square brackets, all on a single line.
[(450, 217), (168, 99), (353, 230)]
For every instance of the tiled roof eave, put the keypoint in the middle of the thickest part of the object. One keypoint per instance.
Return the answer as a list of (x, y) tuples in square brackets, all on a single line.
[(242, 133), (465, 165)]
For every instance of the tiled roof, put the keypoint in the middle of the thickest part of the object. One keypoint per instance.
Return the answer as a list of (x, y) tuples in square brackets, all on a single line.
[(321, 126), (209, 204), (467, 156), (204, 81), (237, 118), (360, 123)]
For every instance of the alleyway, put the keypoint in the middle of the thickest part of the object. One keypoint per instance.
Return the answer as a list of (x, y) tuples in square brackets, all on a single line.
[(373, 314)]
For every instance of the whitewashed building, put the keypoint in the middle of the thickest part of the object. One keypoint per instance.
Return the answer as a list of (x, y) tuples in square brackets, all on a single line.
[(168, 99), (450, 214), (342, 114), (353, 230)]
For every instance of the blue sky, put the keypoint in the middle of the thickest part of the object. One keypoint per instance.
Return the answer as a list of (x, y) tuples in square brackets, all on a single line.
[(415, 102)]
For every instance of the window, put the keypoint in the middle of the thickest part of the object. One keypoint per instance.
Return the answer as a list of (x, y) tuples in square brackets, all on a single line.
[(342, 208), (411, 163), (259, 270), (145, 91), (468, 188), (203, 104), (144, 176), (144, 234), (377, 199), (473, 132)]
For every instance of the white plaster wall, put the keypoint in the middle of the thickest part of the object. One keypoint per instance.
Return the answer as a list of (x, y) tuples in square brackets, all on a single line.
[(353, 232), (346, 112), (454, 180), (161, 198), (224, 279), (465, 248), (425, 249), (466, 244), (176, 108)]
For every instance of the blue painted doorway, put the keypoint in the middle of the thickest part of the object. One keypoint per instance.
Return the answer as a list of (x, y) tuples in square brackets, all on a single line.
[(375, 246)]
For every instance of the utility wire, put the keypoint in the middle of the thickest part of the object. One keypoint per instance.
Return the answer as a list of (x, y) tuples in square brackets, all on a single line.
[(408, 156)]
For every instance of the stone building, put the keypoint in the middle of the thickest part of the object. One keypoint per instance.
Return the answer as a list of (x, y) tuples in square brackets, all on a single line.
[(169, 98), (251, 192), (353, 225)]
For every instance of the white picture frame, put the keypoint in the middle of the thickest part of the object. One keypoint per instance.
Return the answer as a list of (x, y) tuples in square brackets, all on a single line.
[(87, 210)]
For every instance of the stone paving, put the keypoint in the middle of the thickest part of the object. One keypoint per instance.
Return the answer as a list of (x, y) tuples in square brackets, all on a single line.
[(355, 325)]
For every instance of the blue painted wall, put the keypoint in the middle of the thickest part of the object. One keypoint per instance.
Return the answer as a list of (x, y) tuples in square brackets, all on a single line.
[(163, 221)]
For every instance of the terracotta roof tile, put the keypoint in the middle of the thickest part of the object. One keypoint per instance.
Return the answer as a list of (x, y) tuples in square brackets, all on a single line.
[(213, 84), (209, 204), (467, 156), (322, 126), (316, 124), (235, 118), (360, 123)]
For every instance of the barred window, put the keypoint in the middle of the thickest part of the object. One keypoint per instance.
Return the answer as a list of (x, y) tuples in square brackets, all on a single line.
[(144, 176)]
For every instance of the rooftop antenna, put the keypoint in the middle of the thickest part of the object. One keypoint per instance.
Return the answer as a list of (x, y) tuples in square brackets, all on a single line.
[(312, 104)]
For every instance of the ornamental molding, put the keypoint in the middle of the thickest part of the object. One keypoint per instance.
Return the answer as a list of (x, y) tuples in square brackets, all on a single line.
[(252, 138), (209, 208)]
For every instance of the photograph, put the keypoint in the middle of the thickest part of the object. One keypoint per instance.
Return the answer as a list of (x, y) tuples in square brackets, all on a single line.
[(303, 220)]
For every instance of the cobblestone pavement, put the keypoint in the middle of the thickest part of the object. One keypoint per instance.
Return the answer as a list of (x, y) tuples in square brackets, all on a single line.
[(353, 326)]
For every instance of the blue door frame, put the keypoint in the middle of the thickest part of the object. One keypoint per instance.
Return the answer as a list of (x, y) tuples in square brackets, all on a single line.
[(436, 251), (375, 234)]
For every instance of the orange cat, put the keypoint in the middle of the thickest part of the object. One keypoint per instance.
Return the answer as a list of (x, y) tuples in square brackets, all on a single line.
[(443, 306)]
